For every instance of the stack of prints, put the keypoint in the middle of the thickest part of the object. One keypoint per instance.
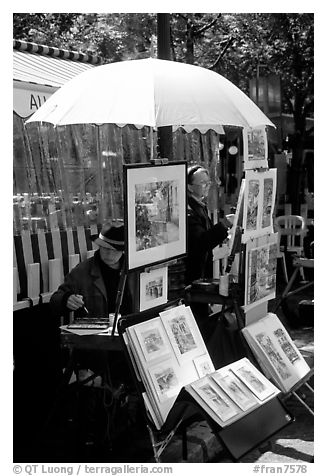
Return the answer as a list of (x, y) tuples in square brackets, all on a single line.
[(167, 352), (277, 354), (232, 392)]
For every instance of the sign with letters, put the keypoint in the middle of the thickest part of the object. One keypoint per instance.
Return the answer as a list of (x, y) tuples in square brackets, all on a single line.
[(29, 97)]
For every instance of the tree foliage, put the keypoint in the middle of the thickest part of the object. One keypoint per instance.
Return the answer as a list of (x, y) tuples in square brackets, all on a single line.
[(236, 45), (230, 44)]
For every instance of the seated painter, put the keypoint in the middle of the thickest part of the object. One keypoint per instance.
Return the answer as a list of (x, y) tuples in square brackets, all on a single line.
[(90, 289)]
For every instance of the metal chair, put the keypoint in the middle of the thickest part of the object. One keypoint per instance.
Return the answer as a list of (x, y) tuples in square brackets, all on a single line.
[(281, 255)]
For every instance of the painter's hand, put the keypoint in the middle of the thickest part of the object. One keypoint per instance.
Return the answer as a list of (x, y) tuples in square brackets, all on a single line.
[(74, 302)]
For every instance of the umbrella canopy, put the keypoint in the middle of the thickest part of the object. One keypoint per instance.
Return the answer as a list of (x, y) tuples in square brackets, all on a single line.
[(150, 92)]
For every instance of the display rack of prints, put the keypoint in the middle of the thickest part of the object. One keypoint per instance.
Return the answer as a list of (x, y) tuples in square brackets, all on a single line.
[(167, 352), (276, 352), (226, 397)]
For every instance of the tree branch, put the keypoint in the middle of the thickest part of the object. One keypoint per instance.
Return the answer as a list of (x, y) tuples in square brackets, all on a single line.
[(206, 27), (228, 43)]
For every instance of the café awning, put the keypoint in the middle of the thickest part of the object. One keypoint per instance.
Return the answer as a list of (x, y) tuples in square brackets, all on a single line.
[(38, 71)]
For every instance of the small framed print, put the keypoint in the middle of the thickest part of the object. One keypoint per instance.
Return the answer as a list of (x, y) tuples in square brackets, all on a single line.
[(155, 213), (203, 365), (153, 288), (235, 389), (153, 339), (260, 271), (253, 379), (215, 398), (255, 146), (165, 379), (183, 333)]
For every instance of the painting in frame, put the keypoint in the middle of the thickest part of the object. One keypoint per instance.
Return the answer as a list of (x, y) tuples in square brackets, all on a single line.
[(155, 213), (260, 270), (259, 203), (255, 144), (153, 287)]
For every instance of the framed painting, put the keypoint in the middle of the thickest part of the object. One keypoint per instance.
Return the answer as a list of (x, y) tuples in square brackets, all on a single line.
[(259, 203), (155, 213), (260, 270), (153, 288), (183, 333), (255, 146)]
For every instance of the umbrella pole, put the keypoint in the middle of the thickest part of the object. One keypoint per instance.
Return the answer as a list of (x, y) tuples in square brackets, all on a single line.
[(151, 143)]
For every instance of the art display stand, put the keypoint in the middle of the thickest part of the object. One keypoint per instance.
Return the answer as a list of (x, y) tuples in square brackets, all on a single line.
[(261, 423), (255, 311)]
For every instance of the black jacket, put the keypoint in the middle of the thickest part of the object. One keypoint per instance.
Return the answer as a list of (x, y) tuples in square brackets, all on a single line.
[(87, 279), (202, 236)]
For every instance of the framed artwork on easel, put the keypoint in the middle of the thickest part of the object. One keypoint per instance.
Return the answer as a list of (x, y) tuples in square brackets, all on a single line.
[(259, 202), (260, 270), (255, 146), (155, 213), (153, 287)]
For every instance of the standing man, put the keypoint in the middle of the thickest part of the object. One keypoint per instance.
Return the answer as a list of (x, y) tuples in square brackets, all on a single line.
[(203, 237)]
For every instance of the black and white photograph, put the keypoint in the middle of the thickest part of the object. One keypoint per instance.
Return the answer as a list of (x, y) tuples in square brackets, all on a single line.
[(163, 202)]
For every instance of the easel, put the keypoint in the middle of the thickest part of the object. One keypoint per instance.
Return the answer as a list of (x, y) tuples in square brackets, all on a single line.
[(182, 415), (119, 296)]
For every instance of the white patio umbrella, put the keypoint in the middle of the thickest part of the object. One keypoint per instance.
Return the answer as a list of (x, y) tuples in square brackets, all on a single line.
[(151, 92)]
